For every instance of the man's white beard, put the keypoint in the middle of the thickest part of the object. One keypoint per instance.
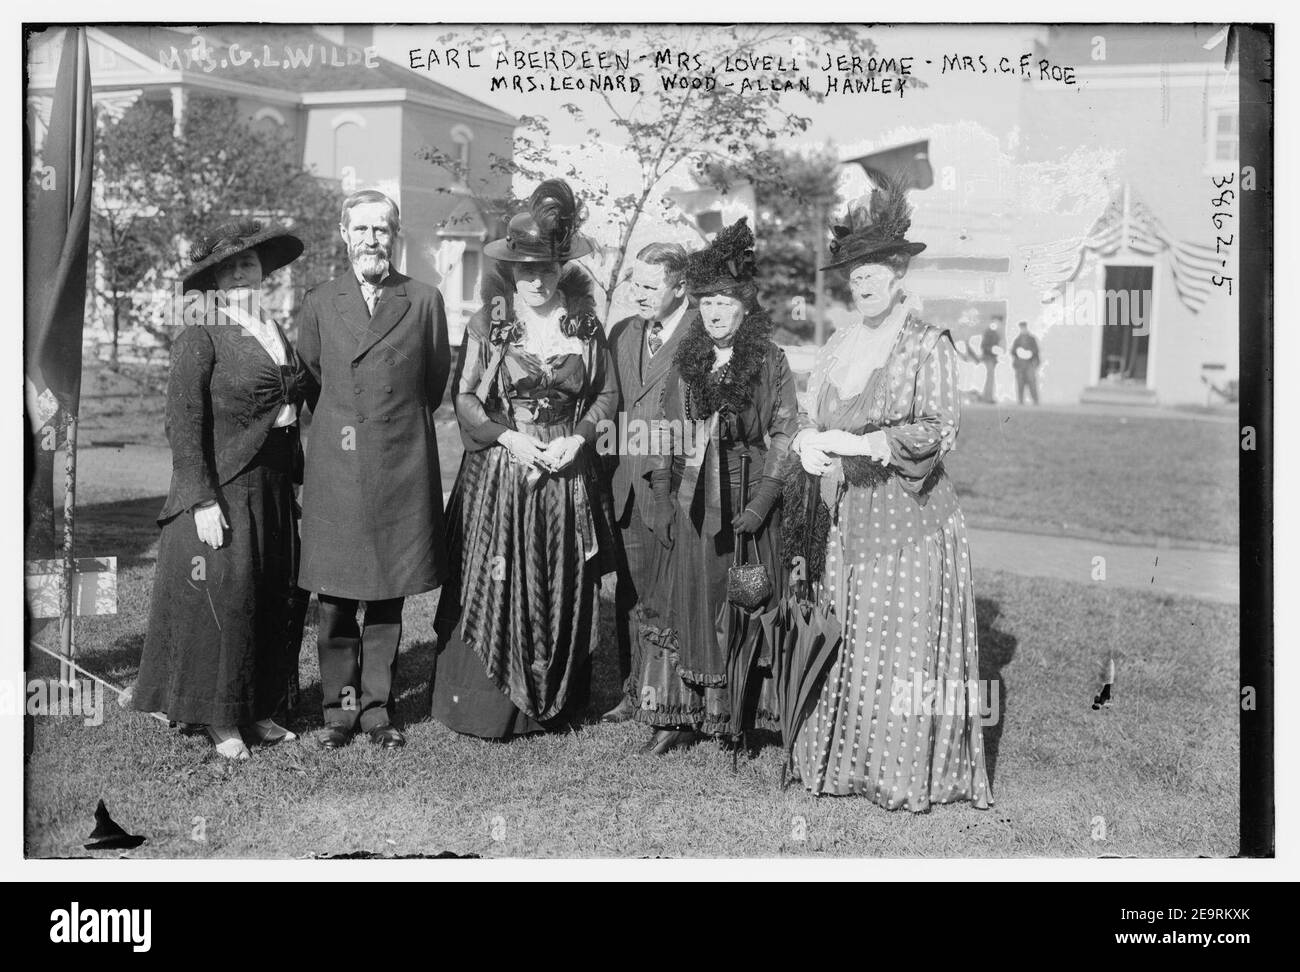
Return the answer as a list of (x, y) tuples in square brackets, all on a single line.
[(371, 264)]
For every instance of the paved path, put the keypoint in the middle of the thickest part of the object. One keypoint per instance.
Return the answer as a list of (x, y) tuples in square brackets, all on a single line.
[(1210, 574), (1207, 574)]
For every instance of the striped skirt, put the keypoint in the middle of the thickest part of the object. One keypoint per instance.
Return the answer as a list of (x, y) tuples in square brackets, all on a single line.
[(517, 617)]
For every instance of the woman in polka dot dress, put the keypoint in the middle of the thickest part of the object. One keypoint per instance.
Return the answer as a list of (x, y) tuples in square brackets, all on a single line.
[(899, 715)]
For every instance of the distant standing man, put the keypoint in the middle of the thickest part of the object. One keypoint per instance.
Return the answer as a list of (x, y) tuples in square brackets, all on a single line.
[(1025, 360), (375, 343), (642, 346), (990, 349)]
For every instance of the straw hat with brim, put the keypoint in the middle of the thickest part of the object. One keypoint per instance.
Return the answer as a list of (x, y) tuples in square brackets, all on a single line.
[(275, 245), (876, 228), (546, 232)]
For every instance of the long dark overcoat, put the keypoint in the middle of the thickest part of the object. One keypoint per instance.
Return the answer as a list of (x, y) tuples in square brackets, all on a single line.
[(372, 523)]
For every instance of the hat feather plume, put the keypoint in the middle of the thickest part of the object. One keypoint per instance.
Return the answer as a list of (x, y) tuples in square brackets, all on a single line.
[(555, 208), (883, 214), (226, 235), (731, 254)]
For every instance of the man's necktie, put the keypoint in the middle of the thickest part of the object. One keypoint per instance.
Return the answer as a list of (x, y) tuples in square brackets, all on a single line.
[(371, 294), (656, 342)]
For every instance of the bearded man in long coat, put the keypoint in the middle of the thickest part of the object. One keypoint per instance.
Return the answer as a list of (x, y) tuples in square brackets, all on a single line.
[(375, 344)]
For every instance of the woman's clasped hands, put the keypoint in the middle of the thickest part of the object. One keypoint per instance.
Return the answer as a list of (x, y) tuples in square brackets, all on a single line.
[(818, 450), (554, 456)]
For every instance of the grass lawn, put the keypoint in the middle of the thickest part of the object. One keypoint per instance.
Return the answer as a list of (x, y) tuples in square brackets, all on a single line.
[(1042, 471), (1159, 766), (1103, 475)]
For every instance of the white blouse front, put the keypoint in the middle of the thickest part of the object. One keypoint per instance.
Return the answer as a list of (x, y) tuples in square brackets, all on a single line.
[(542, 335)]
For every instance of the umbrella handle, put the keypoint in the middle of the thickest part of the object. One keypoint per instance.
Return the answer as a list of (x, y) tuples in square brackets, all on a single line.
[(739, 558), (812, 485)]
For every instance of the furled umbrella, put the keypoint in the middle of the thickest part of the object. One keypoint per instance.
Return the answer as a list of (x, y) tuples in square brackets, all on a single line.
[(749, 587), (743, 634), (806, 636)]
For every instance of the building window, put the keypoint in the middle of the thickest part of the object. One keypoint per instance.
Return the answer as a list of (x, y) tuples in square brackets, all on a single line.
[(268, 121), (462, 137), (1224, 135), (470, 265), (349, 148)]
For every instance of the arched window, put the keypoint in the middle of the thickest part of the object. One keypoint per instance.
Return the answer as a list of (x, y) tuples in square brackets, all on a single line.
[(349, 144), (462, 136), (268, 120)]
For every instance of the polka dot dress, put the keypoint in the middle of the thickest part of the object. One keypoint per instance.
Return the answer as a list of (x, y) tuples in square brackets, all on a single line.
[(898, 718)]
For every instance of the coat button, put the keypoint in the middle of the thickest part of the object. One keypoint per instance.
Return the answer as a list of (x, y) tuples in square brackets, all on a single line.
[(356, 390), (389, 389), (361, 418), (355, 364)]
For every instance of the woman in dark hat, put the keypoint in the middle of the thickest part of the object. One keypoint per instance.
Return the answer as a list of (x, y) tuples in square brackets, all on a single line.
[(731, 396), (897, 719), (216, 653), (530, 533)]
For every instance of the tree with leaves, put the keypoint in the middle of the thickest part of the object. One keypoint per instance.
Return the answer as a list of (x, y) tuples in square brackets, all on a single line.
[(794, 195), (127, 240), (156, 191), (710, 131)]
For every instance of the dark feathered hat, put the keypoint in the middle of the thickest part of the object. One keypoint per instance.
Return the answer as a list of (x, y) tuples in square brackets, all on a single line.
[(545, 232), (877, 226), (276, 246), (725, 264)]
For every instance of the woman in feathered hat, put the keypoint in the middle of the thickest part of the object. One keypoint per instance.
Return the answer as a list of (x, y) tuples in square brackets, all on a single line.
[(529, 524), (731, 395), (897, 719), (218, 651)]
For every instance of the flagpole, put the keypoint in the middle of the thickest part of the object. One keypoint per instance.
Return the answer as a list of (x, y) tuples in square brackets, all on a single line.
[(66, 604), (82, 105), (819, 276)]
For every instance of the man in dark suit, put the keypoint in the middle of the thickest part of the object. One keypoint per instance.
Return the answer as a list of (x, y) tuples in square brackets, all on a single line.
[(642, 347), (375, 343), (1025, 360), (990, 349)]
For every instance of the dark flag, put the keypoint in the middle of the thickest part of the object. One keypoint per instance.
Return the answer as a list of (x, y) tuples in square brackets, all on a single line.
[(56, 243), (909, 163)]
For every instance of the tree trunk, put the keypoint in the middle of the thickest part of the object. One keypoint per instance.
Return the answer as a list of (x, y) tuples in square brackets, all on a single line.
[(112, 353)]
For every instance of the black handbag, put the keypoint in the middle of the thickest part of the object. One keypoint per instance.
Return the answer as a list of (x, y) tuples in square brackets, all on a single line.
[(748, 585)]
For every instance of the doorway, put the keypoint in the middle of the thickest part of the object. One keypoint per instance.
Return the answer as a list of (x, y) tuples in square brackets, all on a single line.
[(1125, 316)]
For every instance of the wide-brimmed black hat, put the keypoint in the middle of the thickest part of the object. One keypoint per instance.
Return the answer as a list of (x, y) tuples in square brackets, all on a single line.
[(276, 246), (877, 226), (726, 264), (545, 232)]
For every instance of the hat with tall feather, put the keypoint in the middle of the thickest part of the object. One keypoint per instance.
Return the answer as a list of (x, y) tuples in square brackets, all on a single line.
[(726, 264), (545, 232), (876, 226), (276, 246)]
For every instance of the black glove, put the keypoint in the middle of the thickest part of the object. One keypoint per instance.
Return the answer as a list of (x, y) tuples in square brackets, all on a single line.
[(665, 510), (754, 515)]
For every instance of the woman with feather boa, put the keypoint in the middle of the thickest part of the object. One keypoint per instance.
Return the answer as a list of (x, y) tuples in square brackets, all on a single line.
[(731, 389), (528, 521)]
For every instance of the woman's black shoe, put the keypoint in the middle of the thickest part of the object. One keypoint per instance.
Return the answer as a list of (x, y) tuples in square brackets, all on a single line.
[(665, 740)]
